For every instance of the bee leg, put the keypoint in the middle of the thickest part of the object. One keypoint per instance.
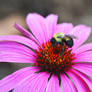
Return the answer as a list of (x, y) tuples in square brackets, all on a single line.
[(53, 41), (62, 50)]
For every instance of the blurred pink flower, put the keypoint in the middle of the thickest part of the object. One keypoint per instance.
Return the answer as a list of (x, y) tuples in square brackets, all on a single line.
[(49, 72)]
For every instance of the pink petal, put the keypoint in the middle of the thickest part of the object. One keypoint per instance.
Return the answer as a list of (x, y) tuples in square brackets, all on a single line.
[(79, 82), (16, 47), (34, 83), (19, 39), (85, 77), (51, 21), (66, 28), (67, 84), (9, 82), (25, 32), (37, 25), (53, 85), (84, 67), (84, 57), (22, 30), (84, 48), (15, 59), (15, 52), (81, 32)]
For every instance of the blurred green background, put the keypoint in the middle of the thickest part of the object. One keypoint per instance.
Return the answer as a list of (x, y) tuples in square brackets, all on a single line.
[(11, 11)]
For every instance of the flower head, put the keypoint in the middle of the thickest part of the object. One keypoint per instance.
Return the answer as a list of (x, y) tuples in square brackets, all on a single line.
[(54, 67)]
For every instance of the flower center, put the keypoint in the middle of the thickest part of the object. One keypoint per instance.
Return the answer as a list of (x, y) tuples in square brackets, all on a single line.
[(49, 58)]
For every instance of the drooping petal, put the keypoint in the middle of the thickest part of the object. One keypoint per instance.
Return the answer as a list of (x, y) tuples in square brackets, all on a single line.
[(53, 85), (85, 77), (86, 68), (22, 30), (51, 21), (19, 39), (83, 57), (37, 25), (67, 84), (34, 83), (79, 82), (15, 52), (84, 48), (81, 32), (11, 81), (25, 32), (66, 28)]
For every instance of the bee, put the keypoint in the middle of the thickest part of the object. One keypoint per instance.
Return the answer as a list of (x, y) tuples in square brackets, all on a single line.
[(61, 39)]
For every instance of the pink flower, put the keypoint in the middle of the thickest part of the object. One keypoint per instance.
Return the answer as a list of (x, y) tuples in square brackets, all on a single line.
[(50, 71)]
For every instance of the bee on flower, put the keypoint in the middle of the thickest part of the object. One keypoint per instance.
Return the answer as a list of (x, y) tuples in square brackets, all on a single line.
[(60, 61)]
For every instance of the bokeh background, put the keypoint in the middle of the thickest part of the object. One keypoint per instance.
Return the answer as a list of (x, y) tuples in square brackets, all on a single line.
[(11, 11)]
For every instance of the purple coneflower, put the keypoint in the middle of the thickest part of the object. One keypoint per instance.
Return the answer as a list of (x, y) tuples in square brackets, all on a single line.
[(51, 71)]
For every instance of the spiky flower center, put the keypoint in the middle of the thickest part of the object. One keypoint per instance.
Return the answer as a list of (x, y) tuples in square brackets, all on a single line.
[(49, 58)]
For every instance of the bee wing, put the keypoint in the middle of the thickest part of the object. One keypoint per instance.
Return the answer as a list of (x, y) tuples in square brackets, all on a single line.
[(73, 36), (59, 37)]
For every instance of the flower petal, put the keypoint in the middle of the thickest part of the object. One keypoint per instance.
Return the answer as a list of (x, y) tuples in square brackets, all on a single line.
[(86, 68), (15, 52), (9, 82), (67, 84), (81, 32), (51, 21), (53, 85), (84, 57), (19, 39), (85, 77), (25, 32), (15, 59), (84, 48), (66, 28), (37, 25), (35, 83), (13, 46), (79, 82)]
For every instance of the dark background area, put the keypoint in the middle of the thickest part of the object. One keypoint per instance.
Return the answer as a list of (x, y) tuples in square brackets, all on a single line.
[(75, 11)]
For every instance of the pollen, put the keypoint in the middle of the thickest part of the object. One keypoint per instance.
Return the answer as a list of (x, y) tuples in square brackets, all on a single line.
[(49, 58)]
